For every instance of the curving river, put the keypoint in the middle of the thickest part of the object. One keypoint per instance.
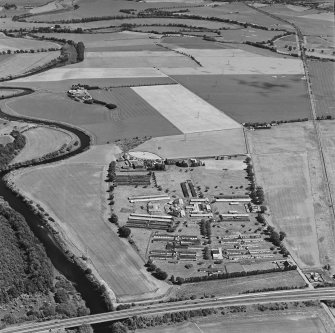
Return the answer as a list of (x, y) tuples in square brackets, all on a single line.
[(93, 300)]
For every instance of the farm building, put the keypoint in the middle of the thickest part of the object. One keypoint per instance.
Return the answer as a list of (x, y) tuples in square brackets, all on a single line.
[(217, 254), (153, 207)]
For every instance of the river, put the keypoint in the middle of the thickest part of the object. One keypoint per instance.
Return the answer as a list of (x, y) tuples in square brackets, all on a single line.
[(60, 261)]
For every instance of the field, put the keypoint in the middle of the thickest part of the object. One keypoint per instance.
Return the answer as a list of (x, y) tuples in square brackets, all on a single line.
[(323, 86), (133, 116), (279, 323), (41, 141), (264, 95), (225, 142), (74, 192), (240, 285), (73, 72), (10, 43), (135, 59), (22, 63), (288, 166), (185, 110), (236, 61)]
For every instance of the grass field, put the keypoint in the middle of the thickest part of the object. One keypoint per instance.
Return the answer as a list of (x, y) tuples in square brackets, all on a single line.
[(252, 98), (213, 143), (323, 86), (185, 110), (132, 117), (10, 43), (288, 166), (74, 191), (280, 323), (22, 63), (41, 141)]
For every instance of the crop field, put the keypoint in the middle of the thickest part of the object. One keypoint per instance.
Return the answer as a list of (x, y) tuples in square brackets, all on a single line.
[(225, 142), (288, 166), (75, 193), (290, 322), (135, 59), (323, 85), (21, 63), (11, 43), (132, 117), (263, 93), (238, 62), (185, 110), (41, 141)]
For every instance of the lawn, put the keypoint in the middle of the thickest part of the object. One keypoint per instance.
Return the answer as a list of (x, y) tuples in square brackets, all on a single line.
[(132, 117), (74, 192), (41, 141), (287, 165), (252, 98)]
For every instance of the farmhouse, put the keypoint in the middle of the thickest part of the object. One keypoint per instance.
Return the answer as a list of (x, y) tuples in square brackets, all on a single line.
[(80, 94), (153, 208)]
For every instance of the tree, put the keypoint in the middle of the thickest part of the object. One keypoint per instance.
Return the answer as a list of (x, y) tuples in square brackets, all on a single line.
[(282, 235), (124, 232), (118, 327), (114, 219)]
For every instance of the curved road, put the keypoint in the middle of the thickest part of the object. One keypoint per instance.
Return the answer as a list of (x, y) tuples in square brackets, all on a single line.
[(246, 299)]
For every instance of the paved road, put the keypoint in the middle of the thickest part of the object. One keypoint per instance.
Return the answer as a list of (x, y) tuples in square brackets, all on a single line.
[(246, 299)]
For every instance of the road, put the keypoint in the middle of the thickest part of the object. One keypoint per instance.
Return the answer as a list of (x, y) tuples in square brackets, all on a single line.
[(156, 309)]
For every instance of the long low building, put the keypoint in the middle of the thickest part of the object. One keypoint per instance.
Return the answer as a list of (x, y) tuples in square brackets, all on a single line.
[(146, 196), (150, 199), (234, 215), (167, 217), (233, 200)]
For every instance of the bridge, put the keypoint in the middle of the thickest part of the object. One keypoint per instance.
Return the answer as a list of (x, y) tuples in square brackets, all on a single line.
[(162, 308)]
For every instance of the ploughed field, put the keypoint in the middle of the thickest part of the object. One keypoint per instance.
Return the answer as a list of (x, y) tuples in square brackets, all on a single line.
[(74, 192)]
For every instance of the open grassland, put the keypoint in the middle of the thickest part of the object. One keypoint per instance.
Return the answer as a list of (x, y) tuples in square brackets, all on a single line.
[(11, 43), (213, 143), (252, 98), (185, 110), (288, 166), (41, 141), (235, 286), (74, 192), (322, 76), (132, 117), (236, 61), (22, 63), (264, 323)]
